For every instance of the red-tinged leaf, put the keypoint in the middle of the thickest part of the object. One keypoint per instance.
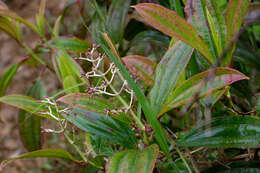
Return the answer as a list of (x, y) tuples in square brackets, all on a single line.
[(196, 14), (228, 131), (3, 5), (102, 126), (141, 66), (90, 103), (168, 72), (170, 23), (196, 85), (93, 104), (134, 161), (253, 12), (46, 153), (213, 97), (235, 14)]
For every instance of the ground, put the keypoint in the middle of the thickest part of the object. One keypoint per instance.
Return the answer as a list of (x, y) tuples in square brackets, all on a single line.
[(10, 53)]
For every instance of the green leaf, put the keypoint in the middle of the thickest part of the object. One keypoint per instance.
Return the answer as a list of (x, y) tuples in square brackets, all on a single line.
[(26, 103), (171, 24), (86, 101), (168, 72), (148, 110), (99, 146), (69, 71), (217, 24), (40, 18), (93, 104), (100, 125), (9, 28), (56, 27), (134, 161), (235, 14), (202, 63), (30, 125), (152, 37), (177, 6), (213, 97), (149, 44), (67, 66), (247, 55), (196, 14), (196, 85), (116, 19), (142, 67), (98, 25), (13, 15), (192, 68), (73, 44), (70, 81), (6, 79), (48, 153), (232, 131), (257, 107)]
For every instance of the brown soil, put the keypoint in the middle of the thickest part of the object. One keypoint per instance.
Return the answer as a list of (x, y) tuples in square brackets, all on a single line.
[(10, 53)]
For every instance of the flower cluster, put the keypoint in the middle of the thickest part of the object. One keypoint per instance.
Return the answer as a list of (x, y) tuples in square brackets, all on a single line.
[(97, 59)]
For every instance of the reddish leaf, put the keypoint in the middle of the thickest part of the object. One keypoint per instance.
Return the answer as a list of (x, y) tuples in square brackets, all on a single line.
[(196, 85), (236, 12), (3, 5), (196, 15), (170, 23), (142, 67), (93, 104), (168, 73), (134, 161)]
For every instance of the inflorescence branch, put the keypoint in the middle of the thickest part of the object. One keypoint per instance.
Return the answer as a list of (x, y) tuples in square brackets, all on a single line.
[(62, 121), (96, 60)]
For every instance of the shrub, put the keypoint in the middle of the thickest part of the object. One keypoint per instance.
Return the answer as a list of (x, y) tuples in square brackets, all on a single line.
[(143, 98)]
